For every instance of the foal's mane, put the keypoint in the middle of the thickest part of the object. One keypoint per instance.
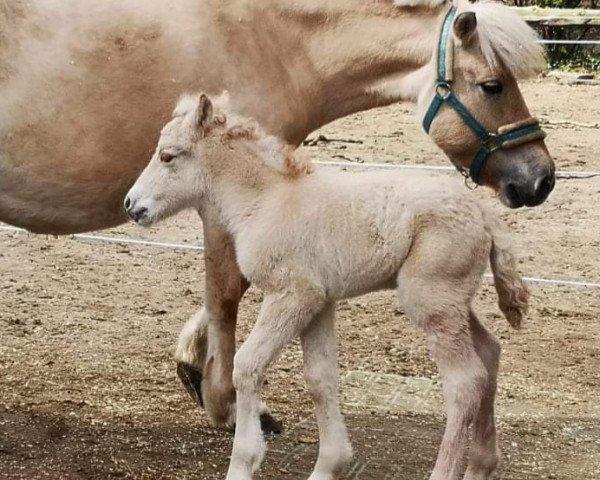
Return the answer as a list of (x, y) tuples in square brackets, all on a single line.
[(274, 152), (506, 41)]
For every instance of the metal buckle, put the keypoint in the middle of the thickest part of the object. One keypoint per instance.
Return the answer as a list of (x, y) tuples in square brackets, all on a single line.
[(492, 143), (443, 90)]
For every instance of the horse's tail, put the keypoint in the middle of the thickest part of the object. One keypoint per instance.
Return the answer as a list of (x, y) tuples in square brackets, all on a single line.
[(513, 295)]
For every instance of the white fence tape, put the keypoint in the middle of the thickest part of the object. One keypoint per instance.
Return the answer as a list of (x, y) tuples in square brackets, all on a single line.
[(200, 248)]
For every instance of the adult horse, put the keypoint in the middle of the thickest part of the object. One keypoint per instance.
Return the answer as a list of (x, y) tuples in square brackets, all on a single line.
[(85, 86)]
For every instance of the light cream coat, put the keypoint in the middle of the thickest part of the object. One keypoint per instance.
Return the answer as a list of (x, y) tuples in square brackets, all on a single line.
[(430, 240)]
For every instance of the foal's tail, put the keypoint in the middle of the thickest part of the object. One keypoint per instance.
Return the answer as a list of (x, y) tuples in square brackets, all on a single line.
[(513, 295)]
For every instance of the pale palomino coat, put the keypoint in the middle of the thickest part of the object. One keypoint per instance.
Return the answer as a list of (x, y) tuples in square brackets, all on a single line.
[(429, 239)]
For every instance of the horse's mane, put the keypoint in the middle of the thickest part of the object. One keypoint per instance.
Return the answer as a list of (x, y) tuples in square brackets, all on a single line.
[(274, 152), (505, 38)]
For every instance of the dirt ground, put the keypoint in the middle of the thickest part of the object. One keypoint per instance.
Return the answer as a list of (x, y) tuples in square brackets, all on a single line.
[(88, 388)]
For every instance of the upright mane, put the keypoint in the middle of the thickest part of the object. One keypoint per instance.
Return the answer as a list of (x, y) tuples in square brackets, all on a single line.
[(275, 153), (505, 38)]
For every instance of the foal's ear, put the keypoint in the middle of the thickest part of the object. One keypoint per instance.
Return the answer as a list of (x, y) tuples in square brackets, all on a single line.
[(204, 114), (465, 26)]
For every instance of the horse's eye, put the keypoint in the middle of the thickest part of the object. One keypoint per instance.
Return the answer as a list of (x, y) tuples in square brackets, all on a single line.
[(492, 87), (166, 157)]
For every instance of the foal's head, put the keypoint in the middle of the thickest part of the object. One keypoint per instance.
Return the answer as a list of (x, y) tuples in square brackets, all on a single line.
[(488, 48), (174, 180), (199, 142)]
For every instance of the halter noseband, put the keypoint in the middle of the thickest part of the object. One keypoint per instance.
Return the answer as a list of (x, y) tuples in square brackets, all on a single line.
[(507, 136)]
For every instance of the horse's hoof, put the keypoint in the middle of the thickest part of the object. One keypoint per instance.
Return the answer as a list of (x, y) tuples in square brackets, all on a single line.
[(269, 425), (191, 378)]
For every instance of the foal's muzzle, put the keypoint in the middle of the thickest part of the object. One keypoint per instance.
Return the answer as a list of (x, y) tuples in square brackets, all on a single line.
[(137, 214)]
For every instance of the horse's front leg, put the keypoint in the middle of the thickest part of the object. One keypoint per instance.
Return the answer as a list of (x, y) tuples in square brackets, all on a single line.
[(206, 344)]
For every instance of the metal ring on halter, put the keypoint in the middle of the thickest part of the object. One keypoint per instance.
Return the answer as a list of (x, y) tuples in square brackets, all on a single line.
[(443, 90), (469, 182)]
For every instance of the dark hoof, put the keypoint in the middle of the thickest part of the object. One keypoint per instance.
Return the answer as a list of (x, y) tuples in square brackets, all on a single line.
[(192, 381), (269, 425)]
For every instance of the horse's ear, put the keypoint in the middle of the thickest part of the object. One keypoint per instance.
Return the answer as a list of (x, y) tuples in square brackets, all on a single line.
[(204, 114), (465, 26)]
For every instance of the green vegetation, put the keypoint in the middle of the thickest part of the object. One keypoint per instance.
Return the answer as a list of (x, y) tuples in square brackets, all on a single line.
[(566, 20)]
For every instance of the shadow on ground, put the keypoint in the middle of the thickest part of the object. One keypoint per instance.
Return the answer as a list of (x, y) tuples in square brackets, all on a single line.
[(35, 444)]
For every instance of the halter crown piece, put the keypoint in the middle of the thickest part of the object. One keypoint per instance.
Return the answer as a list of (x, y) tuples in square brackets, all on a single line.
[(507, 136)]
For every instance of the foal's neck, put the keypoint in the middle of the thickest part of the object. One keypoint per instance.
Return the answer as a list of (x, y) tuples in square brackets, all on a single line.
[(365, 52), (238, 176)]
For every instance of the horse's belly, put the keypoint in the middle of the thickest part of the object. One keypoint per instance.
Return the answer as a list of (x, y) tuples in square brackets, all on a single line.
[(53, 205), (69, 173), (80, 114)]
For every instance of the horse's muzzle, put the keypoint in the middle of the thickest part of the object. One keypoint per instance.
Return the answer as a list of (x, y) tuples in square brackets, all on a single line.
[(530, 194)]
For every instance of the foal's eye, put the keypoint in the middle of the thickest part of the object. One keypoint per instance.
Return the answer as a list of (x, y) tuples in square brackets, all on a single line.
[(492, 87), (166, 157)]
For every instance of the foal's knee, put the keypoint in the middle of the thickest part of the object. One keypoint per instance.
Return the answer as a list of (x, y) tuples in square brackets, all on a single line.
[(247, 372), (318, 382)]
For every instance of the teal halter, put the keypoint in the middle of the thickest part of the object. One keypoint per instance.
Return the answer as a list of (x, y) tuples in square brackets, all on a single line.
[(508, 136)]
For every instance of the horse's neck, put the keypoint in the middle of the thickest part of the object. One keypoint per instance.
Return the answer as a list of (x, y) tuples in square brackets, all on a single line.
[(364, 53), (336, 57)]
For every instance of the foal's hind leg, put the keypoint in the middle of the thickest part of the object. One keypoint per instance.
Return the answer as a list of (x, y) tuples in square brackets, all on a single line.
[(320, 365), (206, 344), (282, 317), (484, 454), (436, 285), (464, 380)]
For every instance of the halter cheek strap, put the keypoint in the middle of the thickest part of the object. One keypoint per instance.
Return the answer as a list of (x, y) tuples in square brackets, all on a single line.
[(507, 136)]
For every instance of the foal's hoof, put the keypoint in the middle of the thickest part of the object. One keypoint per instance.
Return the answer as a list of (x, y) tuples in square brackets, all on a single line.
[(269, 425), (191, 378)]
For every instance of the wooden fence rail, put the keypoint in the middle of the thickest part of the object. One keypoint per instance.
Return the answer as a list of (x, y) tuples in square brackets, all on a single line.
[(563, 17), (559, 17)]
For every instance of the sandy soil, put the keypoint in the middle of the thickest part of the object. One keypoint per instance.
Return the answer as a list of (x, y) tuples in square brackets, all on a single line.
[(88, 388)]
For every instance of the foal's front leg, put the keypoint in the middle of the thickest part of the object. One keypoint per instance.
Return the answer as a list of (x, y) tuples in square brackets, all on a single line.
[(320, 365), (207, 342), (282, 317)]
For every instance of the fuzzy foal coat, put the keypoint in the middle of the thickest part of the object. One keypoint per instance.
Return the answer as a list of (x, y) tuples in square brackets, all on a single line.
[(430, 240)]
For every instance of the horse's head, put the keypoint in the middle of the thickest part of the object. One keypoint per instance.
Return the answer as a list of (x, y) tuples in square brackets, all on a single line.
[(174, 180), (478, 116)]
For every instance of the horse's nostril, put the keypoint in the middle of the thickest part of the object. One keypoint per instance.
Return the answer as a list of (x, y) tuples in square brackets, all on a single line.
[(127, 203), (512, 193), (545, 186)]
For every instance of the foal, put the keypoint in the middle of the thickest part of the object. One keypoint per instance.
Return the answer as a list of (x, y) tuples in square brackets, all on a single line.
[(309, 238)]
